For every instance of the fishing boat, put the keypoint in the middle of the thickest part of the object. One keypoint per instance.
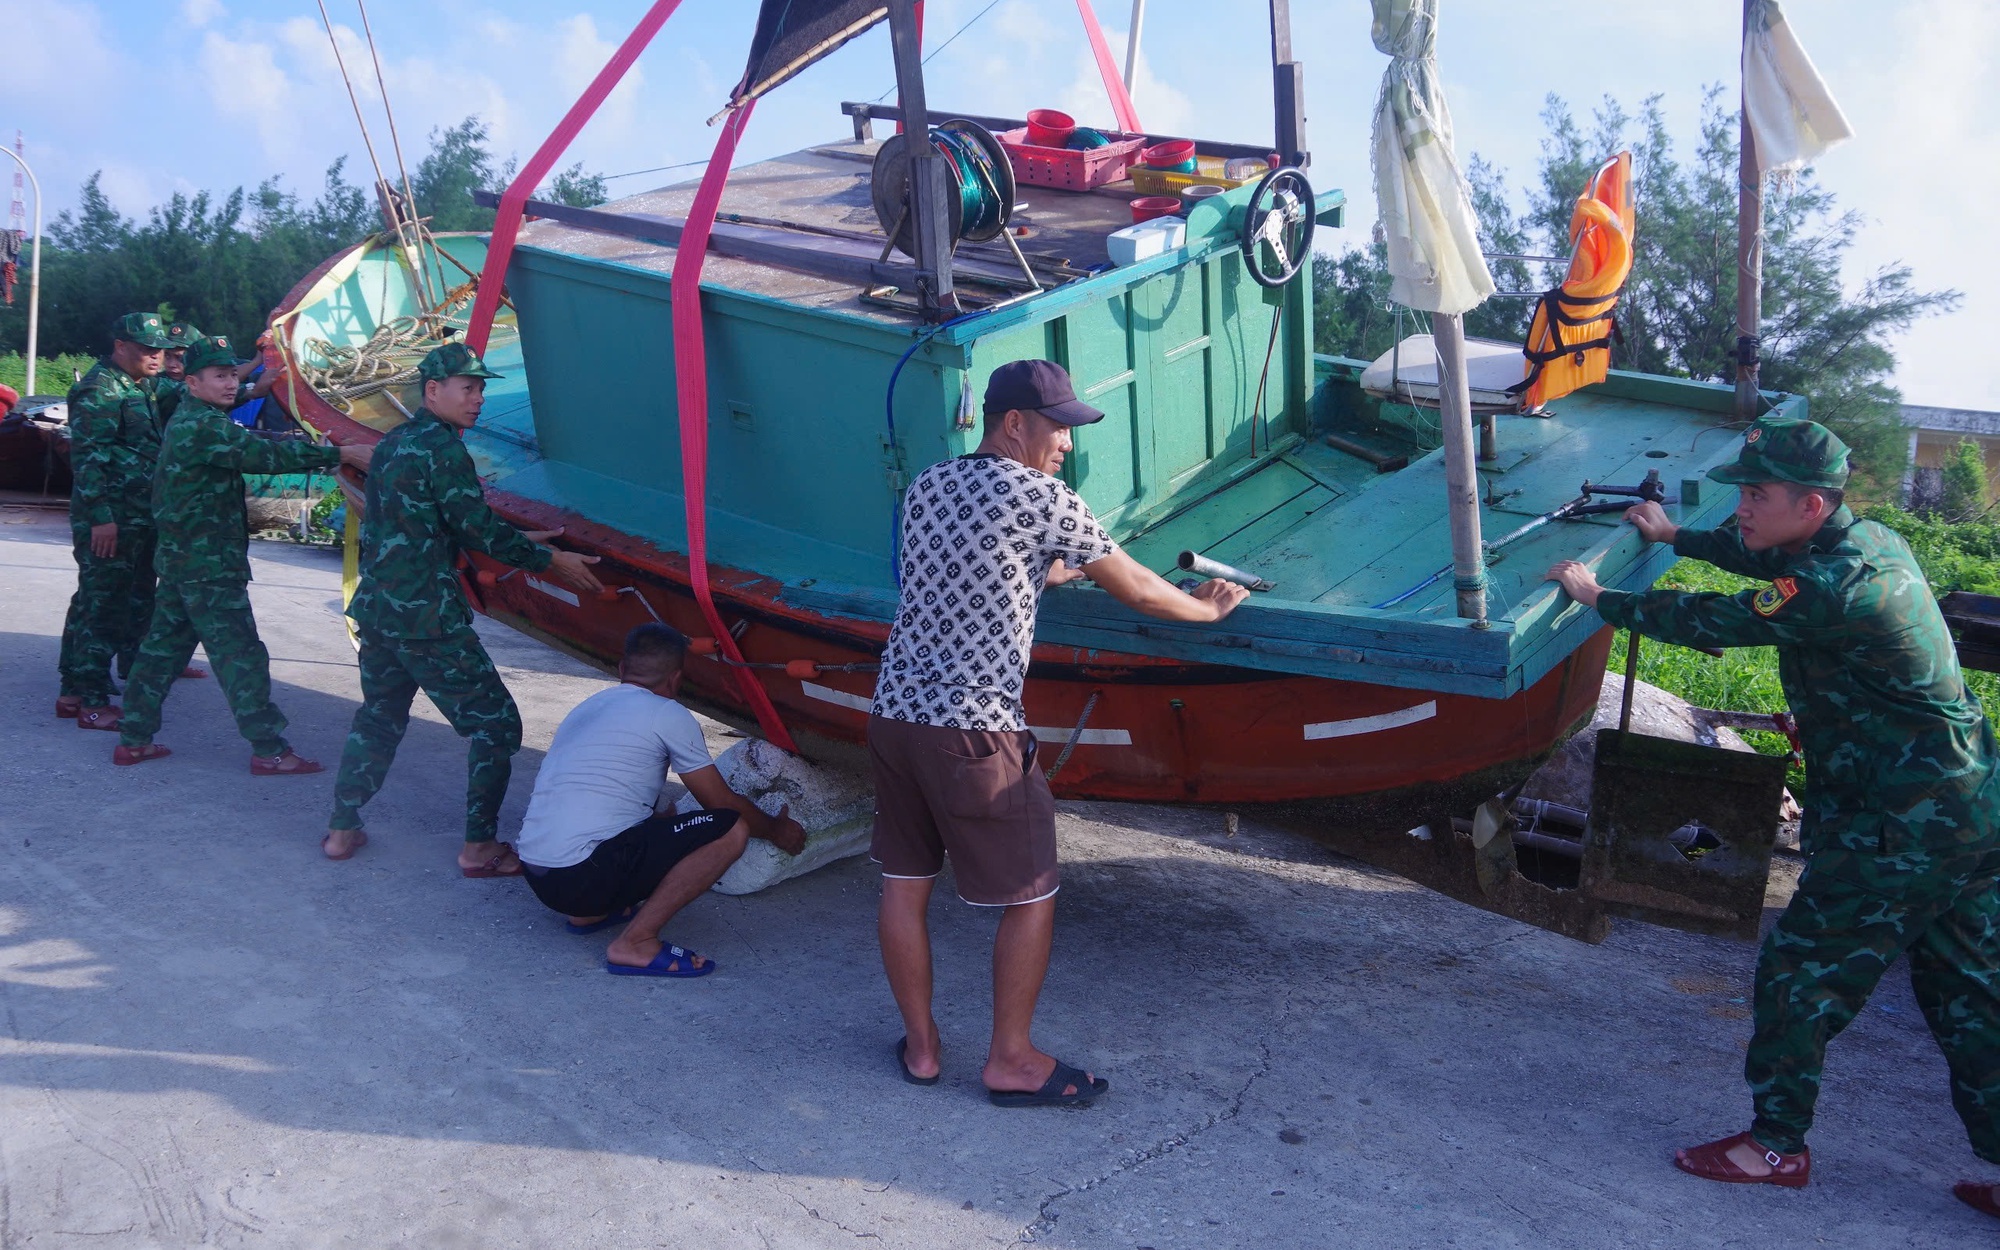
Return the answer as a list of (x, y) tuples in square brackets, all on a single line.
[(736, 459)]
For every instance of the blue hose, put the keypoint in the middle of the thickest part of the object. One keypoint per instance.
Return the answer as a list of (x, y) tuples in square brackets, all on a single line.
[(889, 411)]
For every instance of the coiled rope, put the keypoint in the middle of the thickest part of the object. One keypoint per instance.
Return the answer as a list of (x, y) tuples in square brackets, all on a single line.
[(981, 208), (343, 372)]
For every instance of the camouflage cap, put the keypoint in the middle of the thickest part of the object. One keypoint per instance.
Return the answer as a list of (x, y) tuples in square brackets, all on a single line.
[(210, 351), (453, 360), (145, 329), (183, 335), (1786, 449)]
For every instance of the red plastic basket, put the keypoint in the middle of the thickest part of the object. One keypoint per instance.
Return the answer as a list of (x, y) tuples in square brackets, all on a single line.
[(1070, 169)]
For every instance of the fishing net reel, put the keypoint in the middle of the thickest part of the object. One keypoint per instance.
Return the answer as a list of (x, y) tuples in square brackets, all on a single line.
[(979, 171)]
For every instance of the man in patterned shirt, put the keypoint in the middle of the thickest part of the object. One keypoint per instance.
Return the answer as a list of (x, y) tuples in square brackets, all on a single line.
[(953, 759)]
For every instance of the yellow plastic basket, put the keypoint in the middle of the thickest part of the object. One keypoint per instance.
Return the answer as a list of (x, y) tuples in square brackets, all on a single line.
[(1208, 172)]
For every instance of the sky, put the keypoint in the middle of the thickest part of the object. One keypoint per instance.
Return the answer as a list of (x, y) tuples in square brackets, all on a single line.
[(182, 95)]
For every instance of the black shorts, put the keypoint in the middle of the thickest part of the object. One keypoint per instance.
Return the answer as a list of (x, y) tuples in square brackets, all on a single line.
[(627, 868)]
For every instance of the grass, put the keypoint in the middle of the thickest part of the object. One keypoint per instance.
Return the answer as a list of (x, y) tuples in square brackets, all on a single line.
[(53, 375), (1745, 679)]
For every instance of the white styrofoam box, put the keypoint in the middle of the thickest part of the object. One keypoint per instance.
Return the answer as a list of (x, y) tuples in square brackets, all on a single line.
[(1146, 239)]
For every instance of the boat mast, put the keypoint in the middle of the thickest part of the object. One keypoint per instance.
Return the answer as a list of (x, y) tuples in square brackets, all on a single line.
[(1288, 90), (1749, 247), (929, 194)]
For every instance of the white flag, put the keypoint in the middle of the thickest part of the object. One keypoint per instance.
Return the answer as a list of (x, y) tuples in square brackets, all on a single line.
[(1793, 117)]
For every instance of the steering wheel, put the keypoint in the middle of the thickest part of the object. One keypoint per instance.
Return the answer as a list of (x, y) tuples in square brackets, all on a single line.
[(1278, 227)]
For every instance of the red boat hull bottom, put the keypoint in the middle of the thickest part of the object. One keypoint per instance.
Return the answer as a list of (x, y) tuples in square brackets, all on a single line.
[(1155, 730)]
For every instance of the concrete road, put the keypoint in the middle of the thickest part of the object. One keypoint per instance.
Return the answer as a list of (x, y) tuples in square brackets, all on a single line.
[(214, 1036)]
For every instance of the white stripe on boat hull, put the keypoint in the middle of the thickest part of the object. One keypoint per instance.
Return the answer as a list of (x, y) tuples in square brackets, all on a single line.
[(1043, 733), (1371, 724)]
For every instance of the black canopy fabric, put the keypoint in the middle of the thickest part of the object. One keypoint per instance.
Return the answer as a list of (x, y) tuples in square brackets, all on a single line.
[(792, 34)]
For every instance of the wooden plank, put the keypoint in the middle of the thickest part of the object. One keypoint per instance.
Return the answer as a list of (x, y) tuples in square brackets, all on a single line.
[(1218, 517), (1445, 642)]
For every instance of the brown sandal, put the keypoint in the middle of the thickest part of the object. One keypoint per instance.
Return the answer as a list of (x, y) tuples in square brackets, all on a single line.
[(1978, 1196), (122, 754), (1711, 1162), (287, 763), (67, 706), (106, 717), (487, 869)]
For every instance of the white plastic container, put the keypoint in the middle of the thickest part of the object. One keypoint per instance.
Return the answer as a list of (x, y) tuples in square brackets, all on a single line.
[(1146, 240)]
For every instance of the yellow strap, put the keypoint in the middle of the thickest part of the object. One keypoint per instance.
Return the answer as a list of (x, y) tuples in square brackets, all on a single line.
[(350, 567)]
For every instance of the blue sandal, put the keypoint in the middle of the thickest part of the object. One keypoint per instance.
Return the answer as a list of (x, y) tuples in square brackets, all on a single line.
[(659, 967)]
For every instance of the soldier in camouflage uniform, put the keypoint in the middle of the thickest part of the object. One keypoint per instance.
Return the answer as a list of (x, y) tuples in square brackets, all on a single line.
[(170, 387), (203, 562), (1902, 824), (424, 506), (114, 431)]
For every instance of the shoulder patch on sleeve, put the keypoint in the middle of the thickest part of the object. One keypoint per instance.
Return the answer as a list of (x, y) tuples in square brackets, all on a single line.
[(1775, 596)]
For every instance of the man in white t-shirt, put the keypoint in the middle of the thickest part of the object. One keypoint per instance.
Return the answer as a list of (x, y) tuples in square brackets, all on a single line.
[(592, 845), (954, 762)]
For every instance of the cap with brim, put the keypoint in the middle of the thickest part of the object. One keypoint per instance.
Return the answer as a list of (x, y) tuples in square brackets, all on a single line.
[(181, 334), (453, 360), (145, 329), (203, 353), (1038, 386), (1787, 449)]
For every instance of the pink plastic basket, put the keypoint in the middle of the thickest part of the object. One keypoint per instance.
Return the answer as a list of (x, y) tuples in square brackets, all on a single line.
[(1070, 169)]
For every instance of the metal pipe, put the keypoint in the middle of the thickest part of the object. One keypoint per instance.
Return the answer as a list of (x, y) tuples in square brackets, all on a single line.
[(1631, 680), (1382, 460), (1196, 563), (1749, 255), (1548, 842), (1468, 556), (34, 269), (1132, 41)]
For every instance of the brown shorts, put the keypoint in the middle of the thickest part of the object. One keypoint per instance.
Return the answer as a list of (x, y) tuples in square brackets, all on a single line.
[(974, 795)]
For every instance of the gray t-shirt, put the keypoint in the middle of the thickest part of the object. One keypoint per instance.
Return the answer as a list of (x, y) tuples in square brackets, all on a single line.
[(604, 771), (979, 535)]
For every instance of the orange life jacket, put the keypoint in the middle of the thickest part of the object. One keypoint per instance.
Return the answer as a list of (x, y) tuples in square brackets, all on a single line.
[(1569, 341)]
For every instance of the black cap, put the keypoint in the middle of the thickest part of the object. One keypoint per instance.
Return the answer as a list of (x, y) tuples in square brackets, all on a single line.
[(1038, 386)]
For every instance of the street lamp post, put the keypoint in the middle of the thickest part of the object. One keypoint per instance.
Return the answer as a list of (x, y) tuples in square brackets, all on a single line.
[(34, 270)]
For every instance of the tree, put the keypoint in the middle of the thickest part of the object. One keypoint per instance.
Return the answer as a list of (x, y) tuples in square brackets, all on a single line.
[(579, 189), (1677, 315), (458, 165), (1964, 482), (223, 261)]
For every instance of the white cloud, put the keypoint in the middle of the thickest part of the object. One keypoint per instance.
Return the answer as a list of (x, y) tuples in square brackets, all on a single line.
[(59, 49), (199, 13), (579, 58), (246, 84)]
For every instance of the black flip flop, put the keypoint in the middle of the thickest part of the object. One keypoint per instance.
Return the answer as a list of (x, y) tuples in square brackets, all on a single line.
[(1051, 1093), (902, 1045)]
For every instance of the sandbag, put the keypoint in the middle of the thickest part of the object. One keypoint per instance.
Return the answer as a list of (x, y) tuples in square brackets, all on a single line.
[(836, 808)]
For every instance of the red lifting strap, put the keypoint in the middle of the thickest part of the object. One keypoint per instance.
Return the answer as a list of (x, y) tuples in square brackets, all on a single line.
[(507, 225), (1121, 100), (691, 397)]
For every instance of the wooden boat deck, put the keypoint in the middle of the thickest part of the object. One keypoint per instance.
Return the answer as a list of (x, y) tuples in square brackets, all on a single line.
[(823, 192)]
